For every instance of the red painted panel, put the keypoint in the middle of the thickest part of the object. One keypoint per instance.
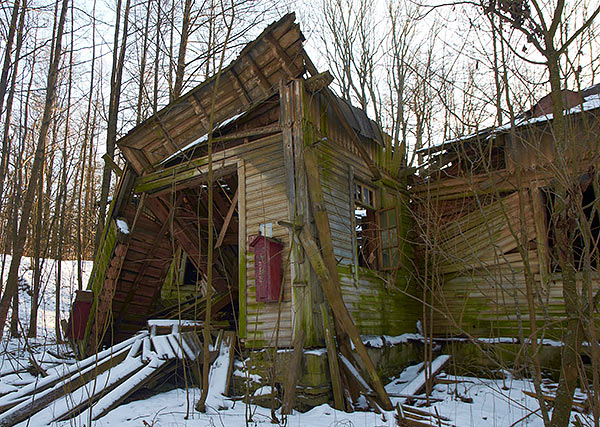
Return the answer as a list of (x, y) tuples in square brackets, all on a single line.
[(80, 312), (267, 267)]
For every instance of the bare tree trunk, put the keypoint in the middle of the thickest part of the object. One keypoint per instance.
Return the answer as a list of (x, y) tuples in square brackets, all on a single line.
[(156, 58), (113, 111), (8, 53), (140, 102), (62, 197), (37, 274), (19, 244), (7, 119), (180, 71), (81, 232), (564, 230)]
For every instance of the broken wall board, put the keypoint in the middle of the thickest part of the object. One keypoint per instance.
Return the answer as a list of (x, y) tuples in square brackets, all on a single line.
[(419, 381), (219, 371)]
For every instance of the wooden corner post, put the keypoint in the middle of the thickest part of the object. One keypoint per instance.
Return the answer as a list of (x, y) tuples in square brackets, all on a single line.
[(323, 261), (306, 292)]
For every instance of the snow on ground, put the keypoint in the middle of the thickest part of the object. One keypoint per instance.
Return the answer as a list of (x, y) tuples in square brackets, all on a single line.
[(47, 306), (14, 352), (495, 403)]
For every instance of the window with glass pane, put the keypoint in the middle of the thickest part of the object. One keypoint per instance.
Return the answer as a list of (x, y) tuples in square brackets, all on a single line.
[(390, 254)]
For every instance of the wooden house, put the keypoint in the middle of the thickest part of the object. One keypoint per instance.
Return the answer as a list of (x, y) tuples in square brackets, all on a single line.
[(487, 218), (306, 219)]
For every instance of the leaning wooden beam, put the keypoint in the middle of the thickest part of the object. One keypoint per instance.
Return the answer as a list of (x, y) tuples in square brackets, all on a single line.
[(334, 367), (113, 165), (227, 220), (328, 276), (289, 390)]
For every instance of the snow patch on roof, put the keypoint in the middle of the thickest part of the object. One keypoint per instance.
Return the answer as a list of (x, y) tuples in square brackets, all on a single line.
[(590, 102), (122, 226), (203, 138)]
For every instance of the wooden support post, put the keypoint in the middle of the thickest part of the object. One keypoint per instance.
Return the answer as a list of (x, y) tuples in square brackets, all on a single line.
[(289, 391), (306, 293), (334, 367)]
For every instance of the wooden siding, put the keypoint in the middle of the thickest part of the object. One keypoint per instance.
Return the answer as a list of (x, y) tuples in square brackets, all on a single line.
[(379, 302), (482, 273), (266, 202)]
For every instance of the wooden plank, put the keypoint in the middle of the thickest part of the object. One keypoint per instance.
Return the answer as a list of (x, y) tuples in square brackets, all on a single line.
[(418, 383), (219, 370), (230, 338), (127, 388), (289, 390), (75, 402), (334, 368), (40, 400)]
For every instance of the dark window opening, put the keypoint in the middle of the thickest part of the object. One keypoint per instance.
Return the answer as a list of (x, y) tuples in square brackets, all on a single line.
[(190, 274), (587, 220), (366, 236)]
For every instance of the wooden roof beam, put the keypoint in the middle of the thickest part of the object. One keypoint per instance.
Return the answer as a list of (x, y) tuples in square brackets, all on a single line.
[(284, 59), (262, 79), (200, 111), (142, 271), (241, 89)]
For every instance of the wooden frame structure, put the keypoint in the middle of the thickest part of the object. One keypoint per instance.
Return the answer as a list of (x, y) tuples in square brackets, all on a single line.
[(485, 204), (286, 155)]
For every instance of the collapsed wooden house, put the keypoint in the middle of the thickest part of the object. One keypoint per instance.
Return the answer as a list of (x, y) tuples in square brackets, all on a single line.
[(310, 228), (487, 216)]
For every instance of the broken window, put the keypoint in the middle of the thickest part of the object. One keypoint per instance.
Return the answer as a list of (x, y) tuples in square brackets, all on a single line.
[(377, 243), (367, 246)]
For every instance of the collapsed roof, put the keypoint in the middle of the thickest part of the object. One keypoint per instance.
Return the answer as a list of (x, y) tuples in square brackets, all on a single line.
[(253, 77)]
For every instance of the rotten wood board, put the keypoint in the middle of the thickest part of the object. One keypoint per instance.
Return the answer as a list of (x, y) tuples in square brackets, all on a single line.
[(418, 383)]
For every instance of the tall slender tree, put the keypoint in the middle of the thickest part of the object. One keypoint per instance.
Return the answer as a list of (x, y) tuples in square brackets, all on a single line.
[(38, 160), (113, 110)]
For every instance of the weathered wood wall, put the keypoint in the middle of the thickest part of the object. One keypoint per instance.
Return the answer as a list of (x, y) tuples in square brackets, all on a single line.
[(265, 202), (486, 229), (381, 302)]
